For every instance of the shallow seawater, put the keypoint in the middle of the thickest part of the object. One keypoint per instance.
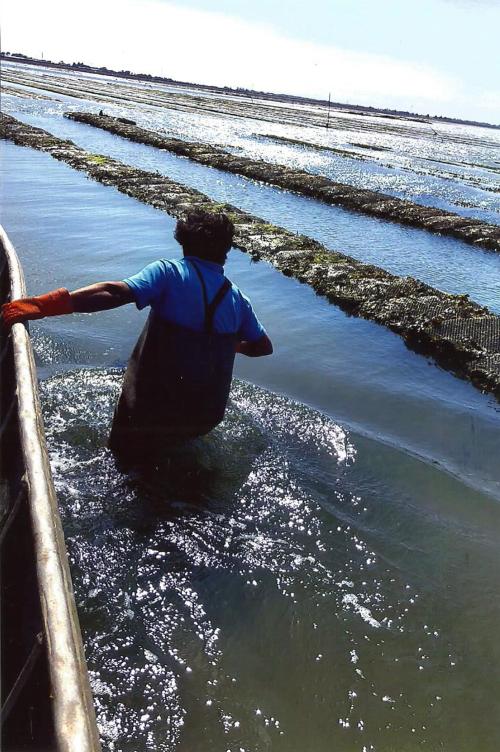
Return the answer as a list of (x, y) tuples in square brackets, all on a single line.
[(321, 572), (264, 590)]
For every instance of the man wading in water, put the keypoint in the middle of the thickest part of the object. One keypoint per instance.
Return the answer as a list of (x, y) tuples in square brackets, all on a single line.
[(178, 378)]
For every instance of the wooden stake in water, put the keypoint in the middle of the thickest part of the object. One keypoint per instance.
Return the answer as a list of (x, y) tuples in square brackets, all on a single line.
[(328, 115)]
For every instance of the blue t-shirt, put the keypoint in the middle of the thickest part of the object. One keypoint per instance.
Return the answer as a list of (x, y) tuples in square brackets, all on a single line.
[(173, 290)]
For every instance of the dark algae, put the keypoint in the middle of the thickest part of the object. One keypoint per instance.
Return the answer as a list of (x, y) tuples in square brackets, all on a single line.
[(462, 336), (324, 189)]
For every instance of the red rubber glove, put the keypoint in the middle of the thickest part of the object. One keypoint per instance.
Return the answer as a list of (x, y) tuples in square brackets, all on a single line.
[(53, 303)]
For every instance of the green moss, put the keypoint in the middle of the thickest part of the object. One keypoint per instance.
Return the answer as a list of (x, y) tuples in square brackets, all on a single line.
[(214, 208), (269, 229), (97, 158), (322, 257)]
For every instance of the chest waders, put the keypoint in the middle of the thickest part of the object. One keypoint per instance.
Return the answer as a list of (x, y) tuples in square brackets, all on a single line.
[(177, 382)]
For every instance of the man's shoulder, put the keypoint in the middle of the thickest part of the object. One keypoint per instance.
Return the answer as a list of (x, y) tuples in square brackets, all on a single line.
[(177, 265), (243, 299), (168, 267), (169, 263)]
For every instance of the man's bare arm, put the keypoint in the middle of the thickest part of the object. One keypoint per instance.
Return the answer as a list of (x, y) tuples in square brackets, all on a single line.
[(101, 297), (257, 349)]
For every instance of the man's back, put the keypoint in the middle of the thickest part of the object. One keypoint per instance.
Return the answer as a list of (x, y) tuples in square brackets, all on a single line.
[(179, 376), (173, 290)]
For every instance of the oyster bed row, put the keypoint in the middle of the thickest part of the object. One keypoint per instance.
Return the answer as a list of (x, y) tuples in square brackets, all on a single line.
[(324, 189), (461, 335)]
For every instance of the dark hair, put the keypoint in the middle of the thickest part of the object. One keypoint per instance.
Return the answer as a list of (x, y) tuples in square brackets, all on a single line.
[(208, 236)]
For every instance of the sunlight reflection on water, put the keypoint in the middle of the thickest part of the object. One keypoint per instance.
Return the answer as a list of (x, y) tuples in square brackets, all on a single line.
[(210, 558)]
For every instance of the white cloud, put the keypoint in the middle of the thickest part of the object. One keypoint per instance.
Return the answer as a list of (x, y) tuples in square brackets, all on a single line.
[(200, 46)]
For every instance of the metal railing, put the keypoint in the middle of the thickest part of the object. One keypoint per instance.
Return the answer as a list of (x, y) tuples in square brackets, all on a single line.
[(70, 700)]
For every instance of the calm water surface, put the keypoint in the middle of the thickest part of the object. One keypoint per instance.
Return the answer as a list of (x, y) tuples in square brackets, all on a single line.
[(322, 571)]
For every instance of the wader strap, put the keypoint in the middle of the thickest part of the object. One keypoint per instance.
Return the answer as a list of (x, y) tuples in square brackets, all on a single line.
[(203, 286), (210, 308)]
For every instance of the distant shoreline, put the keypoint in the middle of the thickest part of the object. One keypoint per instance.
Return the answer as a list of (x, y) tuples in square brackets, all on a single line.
[(17, 57)]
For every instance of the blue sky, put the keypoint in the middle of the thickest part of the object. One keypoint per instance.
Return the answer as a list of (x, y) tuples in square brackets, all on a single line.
[(436, 56), (459, 37)]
